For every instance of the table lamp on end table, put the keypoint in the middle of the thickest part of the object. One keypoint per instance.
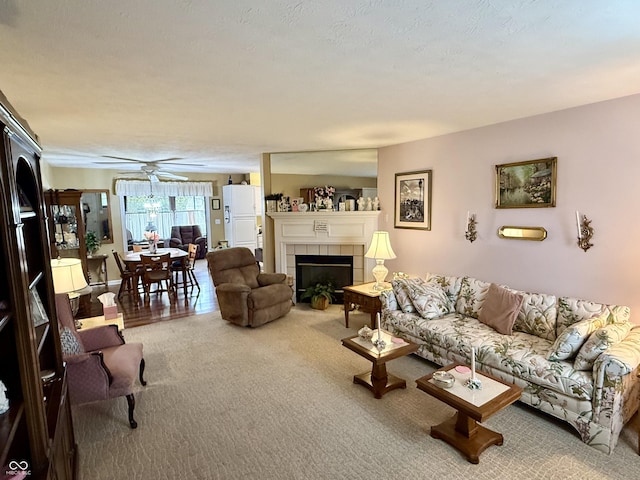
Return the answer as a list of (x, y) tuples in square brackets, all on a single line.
[(380, 249), (69, 278)]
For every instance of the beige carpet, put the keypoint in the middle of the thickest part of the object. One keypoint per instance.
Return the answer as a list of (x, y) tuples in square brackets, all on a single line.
[(278, 402)]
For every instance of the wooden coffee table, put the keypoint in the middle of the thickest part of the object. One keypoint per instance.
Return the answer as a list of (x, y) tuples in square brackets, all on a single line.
[(462, 431), (378, 381)]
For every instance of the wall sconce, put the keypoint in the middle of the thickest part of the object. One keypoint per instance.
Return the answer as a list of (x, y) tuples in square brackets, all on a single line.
[(381, 250), (470, 232), (585, 232)]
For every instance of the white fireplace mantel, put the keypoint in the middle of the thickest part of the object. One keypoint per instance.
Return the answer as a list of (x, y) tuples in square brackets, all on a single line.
[(323, 228)]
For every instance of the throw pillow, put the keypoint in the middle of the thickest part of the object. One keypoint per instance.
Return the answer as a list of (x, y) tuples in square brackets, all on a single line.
[(598, 342), (429, 300), (500, 309), (571, 339), (402, 295), (69, 342)]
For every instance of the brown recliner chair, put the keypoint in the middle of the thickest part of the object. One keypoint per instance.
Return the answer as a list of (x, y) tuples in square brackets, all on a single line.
[(246, 296), (183, 235)]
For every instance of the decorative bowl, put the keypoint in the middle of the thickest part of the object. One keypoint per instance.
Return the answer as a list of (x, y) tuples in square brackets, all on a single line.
[(365, 333), (443, 379)]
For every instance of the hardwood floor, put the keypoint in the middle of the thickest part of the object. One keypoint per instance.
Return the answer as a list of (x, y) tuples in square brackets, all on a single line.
[(159, 308)]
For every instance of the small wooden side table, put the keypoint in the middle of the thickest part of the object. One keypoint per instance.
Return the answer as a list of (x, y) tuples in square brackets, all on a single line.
[(99, 321), (365, 296), (378, 380), (97, 265), (463, 431)]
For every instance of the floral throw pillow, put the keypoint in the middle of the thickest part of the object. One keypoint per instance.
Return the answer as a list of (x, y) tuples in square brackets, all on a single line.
[(429, 300), (598, 342), (569, 341), (69, 343), (402, 295)]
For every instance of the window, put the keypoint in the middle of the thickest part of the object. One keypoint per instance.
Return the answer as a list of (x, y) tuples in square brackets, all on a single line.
[(145, 213)]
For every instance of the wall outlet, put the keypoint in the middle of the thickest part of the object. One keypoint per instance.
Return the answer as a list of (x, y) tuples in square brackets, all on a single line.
[(217, 221)]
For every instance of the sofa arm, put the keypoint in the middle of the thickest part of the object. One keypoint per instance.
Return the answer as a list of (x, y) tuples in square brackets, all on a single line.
[(175, 242), (388, 300), (616, 382), (271, 278), (233, 302), (100, 337)]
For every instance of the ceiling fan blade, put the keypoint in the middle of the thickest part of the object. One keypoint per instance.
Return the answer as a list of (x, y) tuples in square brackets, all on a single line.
[(165, 160), (171, 175), (123, 158)]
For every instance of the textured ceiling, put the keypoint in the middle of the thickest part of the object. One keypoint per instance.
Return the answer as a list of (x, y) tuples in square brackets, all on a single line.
[(216, 83)]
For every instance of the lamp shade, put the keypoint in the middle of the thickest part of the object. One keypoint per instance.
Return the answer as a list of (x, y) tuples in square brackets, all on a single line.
[(380, 247), (67, 275)]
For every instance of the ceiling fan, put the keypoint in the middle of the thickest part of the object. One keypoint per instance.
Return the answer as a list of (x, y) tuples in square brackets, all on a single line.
[(150, 168)]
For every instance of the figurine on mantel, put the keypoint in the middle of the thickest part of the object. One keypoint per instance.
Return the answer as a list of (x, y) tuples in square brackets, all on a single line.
[(361, 201), (376, 204), (369, 204)]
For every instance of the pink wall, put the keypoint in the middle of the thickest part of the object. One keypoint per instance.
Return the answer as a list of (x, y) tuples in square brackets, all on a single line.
[(598, 150)]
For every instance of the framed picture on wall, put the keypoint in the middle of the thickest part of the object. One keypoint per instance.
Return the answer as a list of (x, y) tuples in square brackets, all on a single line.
[(530, 184), (215, 204), (413, 200)]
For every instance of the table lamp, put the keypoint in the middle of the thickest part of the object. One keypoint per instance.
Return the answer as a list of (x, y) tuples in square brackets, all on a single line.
[(68, 277), (380, 249)]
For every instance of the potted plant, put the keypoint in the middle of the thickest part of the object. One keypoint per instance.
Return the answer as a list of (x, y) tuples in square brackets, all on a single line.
[(321, 295), (92, 242)]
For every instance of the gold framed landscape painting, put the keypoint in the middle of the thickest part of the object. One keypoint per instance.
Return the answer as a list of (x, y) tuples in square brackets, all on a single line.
[(530, 184), (413, 200)]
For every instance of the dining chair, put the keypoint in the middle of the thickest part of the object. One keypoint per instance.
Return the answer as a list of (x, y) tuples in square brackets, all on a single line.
[(130, 280), (188, 275), (156, 269)]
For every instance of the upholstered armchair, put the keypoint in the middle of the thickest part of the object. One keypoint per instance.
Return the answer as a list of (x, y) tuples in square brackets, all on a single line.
[(183, 235), (100, 365), (246, 296)]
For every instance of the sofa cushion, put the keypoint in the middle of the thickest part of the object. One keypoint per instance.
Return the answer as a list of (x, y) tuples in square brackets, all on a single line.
[(573, 310), (402, 295), (471, 297), (573, 337), (500, 309), (522, 355), (450, 285), (598, 342), (538, 315), (429, 299)]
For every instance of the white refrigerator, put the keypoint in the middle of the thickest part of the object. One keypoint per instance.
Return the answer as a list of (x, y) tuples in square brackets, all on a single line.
[(240, 211)]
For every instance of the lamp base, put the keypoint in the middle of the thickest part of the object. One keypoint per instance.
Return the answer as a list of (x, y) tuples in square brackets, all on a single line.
[(379, 273)]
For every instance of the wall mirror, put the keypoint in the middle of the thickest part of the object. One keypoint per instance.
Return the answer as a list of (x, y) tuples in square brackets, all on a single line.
[(96, 213)]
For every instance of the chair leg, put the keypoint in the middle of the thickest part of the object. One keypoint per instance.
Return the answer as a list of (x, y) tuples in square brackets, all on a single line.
[(194, 280), (141, 376), (131, 401)]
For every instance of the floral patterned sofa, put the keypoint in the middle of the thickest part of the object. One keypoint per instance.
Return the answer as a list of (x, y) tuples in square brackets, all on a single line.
[(575, 359)]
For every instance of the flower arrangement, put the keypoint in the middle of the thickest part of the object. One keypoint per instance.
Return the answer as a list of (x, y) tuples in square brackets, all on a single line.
[(152, 236), (324, 196)]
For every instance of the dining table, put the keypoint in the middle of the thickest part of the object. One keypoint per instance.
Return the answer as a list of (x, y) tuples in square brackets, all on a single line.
[(133, 260)]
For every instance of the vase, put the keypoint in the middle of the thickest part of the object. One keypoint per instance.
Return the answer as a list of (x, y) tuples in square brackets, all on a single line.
[(153, 247)]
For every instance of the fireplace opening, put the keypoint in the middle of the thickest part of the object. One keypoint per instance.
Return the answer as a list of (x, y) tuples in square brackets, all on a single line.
[(312, 269)]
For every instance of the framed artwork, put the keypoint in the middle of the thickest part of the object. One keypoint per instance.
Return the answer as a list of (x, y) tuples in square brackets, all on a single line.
[(530, 184), (413, 200), (215, 204), (37, 309)]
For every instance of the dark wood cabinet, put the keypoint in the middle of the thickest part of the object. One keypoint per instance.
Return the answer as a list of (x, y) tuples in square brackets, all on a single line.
[(37, 425), (66, 225)]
